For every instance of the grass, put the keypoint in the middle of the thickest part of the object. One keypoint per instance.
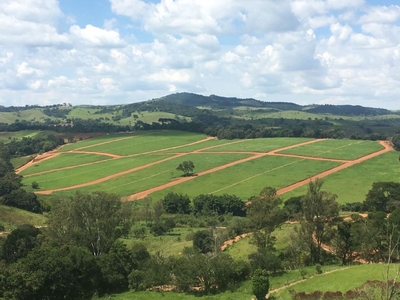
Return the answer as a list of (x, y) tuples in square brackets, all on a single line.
[(169, 244), (20, 161), (17, 135), (339, 149), (352, 184), (260, 145), (244, 247), (249, 178), (343, 280), (200, 146), (160, 174), (61, 161), (100, 139), (12, 217), (82, 174), (147, 143)]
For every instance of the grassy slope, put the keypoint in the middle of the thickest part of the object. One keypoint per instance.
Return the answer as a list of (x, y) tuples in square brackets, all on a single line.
[(160, 173), (340, 149), (249, 178), (12, 217), (260, 145), (63, 160), (343, 280), (148, 143), (352, 184), (82, 174)]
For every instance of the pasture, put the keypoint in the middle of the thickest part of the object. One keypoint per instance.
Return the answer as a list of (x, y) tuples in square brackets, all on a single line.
[(126, 164), (342, 280), (159, 174), (12, 217), (147, 143), (352, 184), (82, 174), (337, 149), (64, 160), (258, 145), (249, 178)]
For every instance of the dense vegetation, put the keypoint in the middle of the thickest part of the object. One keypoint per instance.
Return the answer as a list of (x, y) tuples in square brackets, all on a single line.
[(93, 246)]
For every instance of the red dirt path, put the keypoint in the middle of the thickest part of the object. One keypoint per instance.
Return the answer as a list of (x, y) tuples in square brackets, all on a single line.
[(291, 187), (255, 155)]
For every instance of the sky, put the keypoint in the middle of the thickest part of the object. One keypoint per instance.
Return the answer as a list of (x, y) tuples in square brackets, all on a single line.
[(122, 51)]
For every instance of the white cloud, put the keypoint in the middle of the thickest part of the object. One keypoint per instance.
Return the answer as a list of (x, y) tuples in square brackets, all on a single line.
[(289, 50), (95, 37)]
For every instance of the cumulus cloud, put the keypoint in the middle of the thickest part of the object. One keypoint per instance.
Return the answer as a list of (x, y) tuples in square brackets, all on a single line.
[(298, 50)]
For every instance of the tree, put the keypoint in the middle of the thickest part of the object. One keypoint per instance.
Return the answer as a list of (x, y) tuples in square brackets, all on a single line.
[(174, 203), (204, 241), (54, 273), (319, 210), (384, 196), (260, 284), (94, 221), (186, 167), (24, 200), (396, 141), (19, 242)]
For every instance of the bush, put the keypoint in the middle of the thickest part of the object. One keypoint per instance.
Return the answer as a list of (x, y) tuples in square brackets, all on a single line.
[(35, 185)]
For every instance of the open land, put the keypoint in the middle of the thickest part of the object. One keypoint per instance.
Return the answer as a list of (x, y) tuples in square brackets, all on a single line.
[(144, 164)]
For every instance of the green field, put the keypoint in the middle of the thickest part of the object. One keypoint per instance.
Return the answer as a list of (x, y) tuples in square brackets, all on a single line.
[(20, 161), (100, 139), (260, 145), (17, 135), (339, 149), (12, 217), (63, 160), (200, 146), (82, 174), (147, 143), (342, 280), (160, 174), (249, 178), (352, 184)]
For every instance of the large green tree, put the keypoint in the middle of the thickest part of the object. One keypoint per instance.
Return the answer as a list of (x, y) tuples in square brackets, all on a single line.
[(319, 211), (186, 167), (94, 221)]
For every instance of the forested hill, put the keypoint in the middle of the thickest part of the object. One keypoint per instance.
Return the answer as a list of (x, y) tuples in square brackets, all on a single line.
[(348, 110), (213, 101)]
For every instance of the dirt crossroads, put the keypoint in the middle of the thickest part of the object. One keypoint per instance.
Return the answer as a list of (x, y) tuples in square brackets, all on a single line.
[(143, 194)]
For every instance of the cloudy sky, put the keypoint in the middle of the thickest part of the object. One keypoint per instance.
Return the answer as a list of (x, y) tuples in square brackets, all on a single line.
[(123, 51)]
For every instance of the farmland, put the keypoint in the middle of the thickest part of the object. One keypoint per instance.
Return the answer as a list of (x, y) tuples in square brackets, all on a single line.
[(340, 149), (138, 164)]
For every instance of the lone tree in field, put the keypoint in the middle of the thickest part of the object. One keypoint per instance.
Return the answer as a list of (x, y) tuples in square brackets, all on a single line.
[(186, 167)]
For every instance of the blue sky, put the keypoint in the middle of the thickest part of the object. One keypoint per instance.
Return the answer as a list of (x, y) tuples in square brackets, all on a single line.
[(124, 51)]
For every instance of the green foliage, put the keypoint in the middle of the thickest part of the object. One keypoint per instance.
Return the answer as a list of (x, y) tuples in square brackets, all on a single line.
[(186, 167), (203, 240), (383, 196), (319, 210), (208, 204), (396, 141), (54, 273), (94, 221), (35, 185), (260, 284), (174, 203), (22, 199), (19, 242)]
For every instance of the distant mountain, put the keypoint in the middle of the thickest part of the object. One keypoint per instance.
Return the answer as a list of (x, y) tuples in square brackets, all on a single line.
[(214, 101), (218, 102), (348, 110)]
